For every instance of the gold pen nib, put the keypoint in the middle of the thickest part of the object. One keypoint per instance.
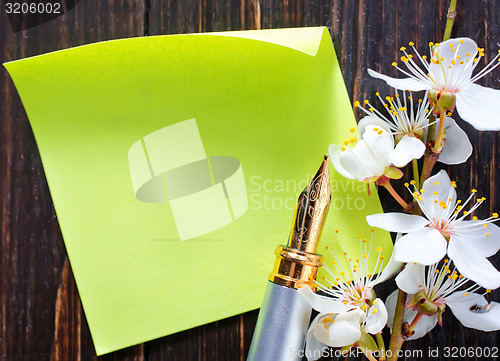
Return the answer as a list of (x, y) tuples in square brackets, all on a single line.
[(311, 211), (297, 263)]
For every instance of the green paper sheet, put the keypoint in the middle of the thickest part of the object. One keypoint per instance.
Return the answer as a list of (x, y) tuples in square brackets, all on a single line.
[(174, 163)]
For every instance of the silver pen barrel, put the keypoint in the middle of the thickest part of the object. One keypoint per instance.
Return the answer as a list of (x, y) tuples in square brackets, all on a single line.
[(281, 327), (285, 314)]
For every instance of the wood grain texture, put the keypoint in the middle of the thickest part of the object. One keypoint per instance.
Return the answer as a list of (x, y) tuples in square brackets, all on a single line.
[(41, 314)]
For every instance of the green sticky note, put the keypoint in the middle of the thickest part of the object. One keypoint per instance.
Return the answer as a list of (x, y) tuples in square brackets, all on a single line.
[(174, 164)]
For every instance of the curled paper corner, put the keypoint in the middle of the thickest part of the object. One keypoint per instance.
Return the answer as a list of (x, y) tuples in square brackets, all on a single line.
[(306, 40), (170, 165)]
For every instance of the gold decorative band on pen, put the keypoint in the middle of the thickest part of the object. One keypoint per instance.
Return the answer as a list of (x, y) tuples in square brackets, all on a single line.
[(294, 268)]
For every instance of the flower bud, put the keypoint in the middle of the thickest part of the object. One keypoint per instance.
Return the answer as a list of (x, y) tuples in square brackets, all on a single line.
[(433, 97), (442, 100), (420, 133), (419, 302), (427, 307), (446, 101)]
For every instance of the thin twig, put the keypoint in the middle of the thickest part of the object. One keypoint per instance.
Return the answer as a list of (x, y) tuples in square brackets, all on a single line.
[(452, 14)]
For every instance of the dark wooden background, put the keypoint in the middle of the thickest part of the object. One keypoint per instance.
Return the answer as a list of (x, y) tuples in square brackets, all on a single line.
[(41, 315)]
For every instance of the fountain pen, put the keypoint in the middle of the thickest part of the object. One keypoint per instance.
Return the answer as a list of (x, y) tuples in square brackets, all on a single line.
[(284, 316)]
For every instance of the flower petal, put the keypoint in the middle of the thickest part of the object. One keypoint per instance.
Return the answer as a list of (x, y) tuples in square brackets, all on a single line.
[(314, 347), (320, 330), (425, 246), (485, 240), (479, 319), (372, 120), (407, 149), (402, 84), (390, 270), (412, 278), (321, 303), (346, 328), (397, 222), (390, 304), (376, 317), (457, 147), (360, 162), (335, 152), (450, 51), (478, 106), (472, 264), (425, 324), (438, 189), (380, 142)]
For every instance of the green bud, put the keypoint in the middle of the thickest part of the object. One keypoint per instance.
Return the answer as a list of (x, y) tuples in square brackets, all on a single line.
[(433, 97), (446, 101), (416, 299), (420, 133), (427, 307), (419, 302)]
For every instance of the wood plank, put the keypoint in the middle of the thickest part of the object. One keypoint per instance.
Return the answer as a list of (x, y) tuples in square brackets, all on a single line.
[(41, 315)]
